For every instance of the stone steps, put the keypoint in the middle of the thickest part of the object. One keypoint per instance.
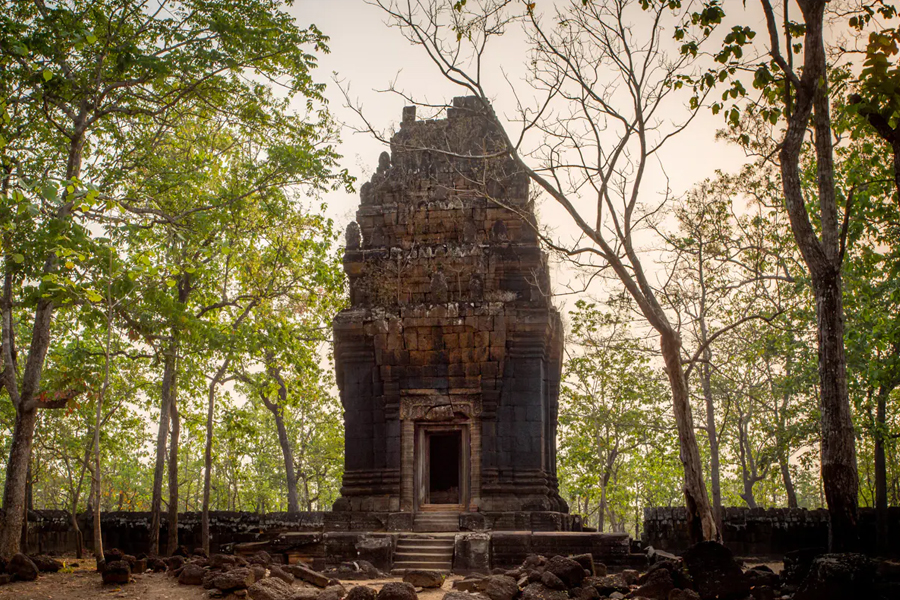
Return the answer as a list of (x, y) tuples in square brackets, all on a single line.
[(428, 522), (423, 552)]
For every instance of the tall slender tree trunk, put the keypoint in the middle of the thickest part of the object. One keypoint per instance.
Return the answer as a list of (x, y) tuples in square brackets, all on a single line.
[(788, 481), (881, 500), (172, 541), (839, 469), (168, 390), (713, 436), (288, 454), (207, 453), (701, 523), (601, 510)]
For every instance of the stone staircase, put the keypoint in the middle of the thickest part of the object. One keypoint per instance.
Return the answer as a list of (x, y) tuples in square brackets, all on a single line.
[(429, 552), (436, 521)]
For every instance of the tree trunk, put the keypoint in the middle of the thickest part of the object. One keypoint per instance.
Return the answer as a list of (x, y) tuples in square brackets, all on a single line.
[(288, 453), (168, 389), (788, 481), (712, 435), (207, 453), (14, 490), (701, 524), (172, 541), (881, 501), (839, 470)]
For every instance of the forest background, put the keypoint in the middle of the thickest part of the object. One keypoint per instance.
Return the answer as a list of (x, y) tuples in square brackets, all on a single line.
[(176, 175)]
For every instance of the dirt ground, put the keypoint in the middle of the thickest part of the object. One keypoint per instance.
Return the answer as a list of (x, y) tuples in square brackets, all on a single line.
[(85, 584)]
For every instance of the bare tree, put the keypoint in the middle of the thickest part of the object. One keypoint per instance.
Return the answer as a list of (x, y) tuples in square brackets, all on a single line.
[(590, 130)]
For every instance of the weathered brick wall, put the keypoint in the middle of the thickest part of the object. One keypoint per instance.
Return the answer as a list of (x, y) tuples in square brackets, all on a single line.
[(51, 531), (761, 532)]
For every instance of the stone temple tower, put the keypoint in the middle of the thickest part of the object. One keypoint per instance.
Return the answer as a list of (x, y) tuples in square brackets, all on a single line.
[(448, 358)]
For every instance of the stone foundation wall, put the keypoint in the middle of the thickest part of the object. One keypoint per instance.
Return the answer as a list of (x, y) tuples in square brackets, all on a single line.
[(762, 532)]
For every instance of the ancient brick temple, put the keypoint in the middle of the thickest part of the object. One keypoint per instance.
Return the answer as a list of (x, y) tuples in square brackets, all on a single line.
[(448, 358)]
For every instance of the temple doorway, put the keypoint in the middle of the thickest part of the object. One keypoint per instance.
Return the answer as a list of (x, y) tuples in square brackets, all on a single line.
[(444, 450), (443, 468)]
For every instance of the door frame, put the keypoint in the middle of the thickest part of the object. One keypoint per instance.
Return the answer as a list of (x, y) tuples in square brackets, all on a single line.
[(422, 464)]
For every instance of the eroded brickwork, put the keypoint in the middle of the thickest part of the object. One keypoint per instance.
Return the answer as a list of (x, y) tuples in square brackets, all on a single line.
[(450, 328)]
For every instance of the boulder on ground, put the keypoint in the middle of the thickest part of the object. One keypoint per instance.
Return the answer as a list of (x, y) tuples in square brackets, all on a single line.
[(570, 572), (464, 596), (117, 572), (46, 564), (361, 592), (423, 578), (630, 575), (174, 562), (539, 591), (201, 552), (113, 554), (258, 570), (654, 555), (676, 569), (552, 581), (271, 588), (838, 576), (308, 575), (236, 579), (394, 590), (656, 586), (499, 587), (261, 557), (182, 551), (585, 592), (586, 561), (156, 564), (797, 564), (307, 593), (221, 561), (761, 575), (5, 578), (191, 574), (280, 573), (22, 568), (368, 569), (332, 592), (715, 572), (608, 584), (678, 594), (468, 584)]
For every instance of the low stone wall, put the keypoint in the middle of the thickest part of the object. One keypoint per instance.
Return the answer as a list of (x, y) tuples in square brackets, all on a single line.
[(762, 532), (328, 539)]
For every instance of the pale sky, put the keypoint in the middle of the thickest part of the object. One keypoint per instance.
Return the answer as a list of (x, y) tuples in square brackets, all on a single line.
[(367, 55)]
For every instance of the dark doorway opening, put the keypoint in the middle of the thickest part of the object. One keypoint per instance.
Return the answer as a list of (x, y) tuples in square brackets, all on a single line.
[(444, 453)]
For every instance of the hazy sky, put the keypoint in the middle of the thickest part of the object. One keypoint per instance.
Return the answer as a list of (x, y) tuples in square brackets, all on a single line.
[(368, 55)]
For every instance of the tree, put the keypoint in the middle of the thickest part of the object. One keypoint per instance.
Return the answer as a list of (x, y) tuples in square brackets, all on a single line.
[(601, 88)]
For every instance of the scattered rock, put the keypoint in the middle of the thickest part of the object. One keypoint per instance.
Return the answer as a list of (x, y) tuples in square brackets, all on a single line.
[(761, 575), (464, 596), (539, 591), (715, 572), (271, 588), (308, 575), (499, 587), (797, 564), (258, 570), (156, 564), (22, 568), (570, 572), (307, 593), (280, 573), (838, 576), (117, 572), (587, 563), (45, 564), (424, 579), (656, 585), (113, 554), (630, 576), (191, 574), (469, 584), (261, 557), (608, 584), (552, 581), (174, 562), (221, 561), (5, 578), (654, 555), (361, 592), (332, 592), (394, 590), (201, 552), (236, 579), (762, 592), (678, 594), (585, 592)]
